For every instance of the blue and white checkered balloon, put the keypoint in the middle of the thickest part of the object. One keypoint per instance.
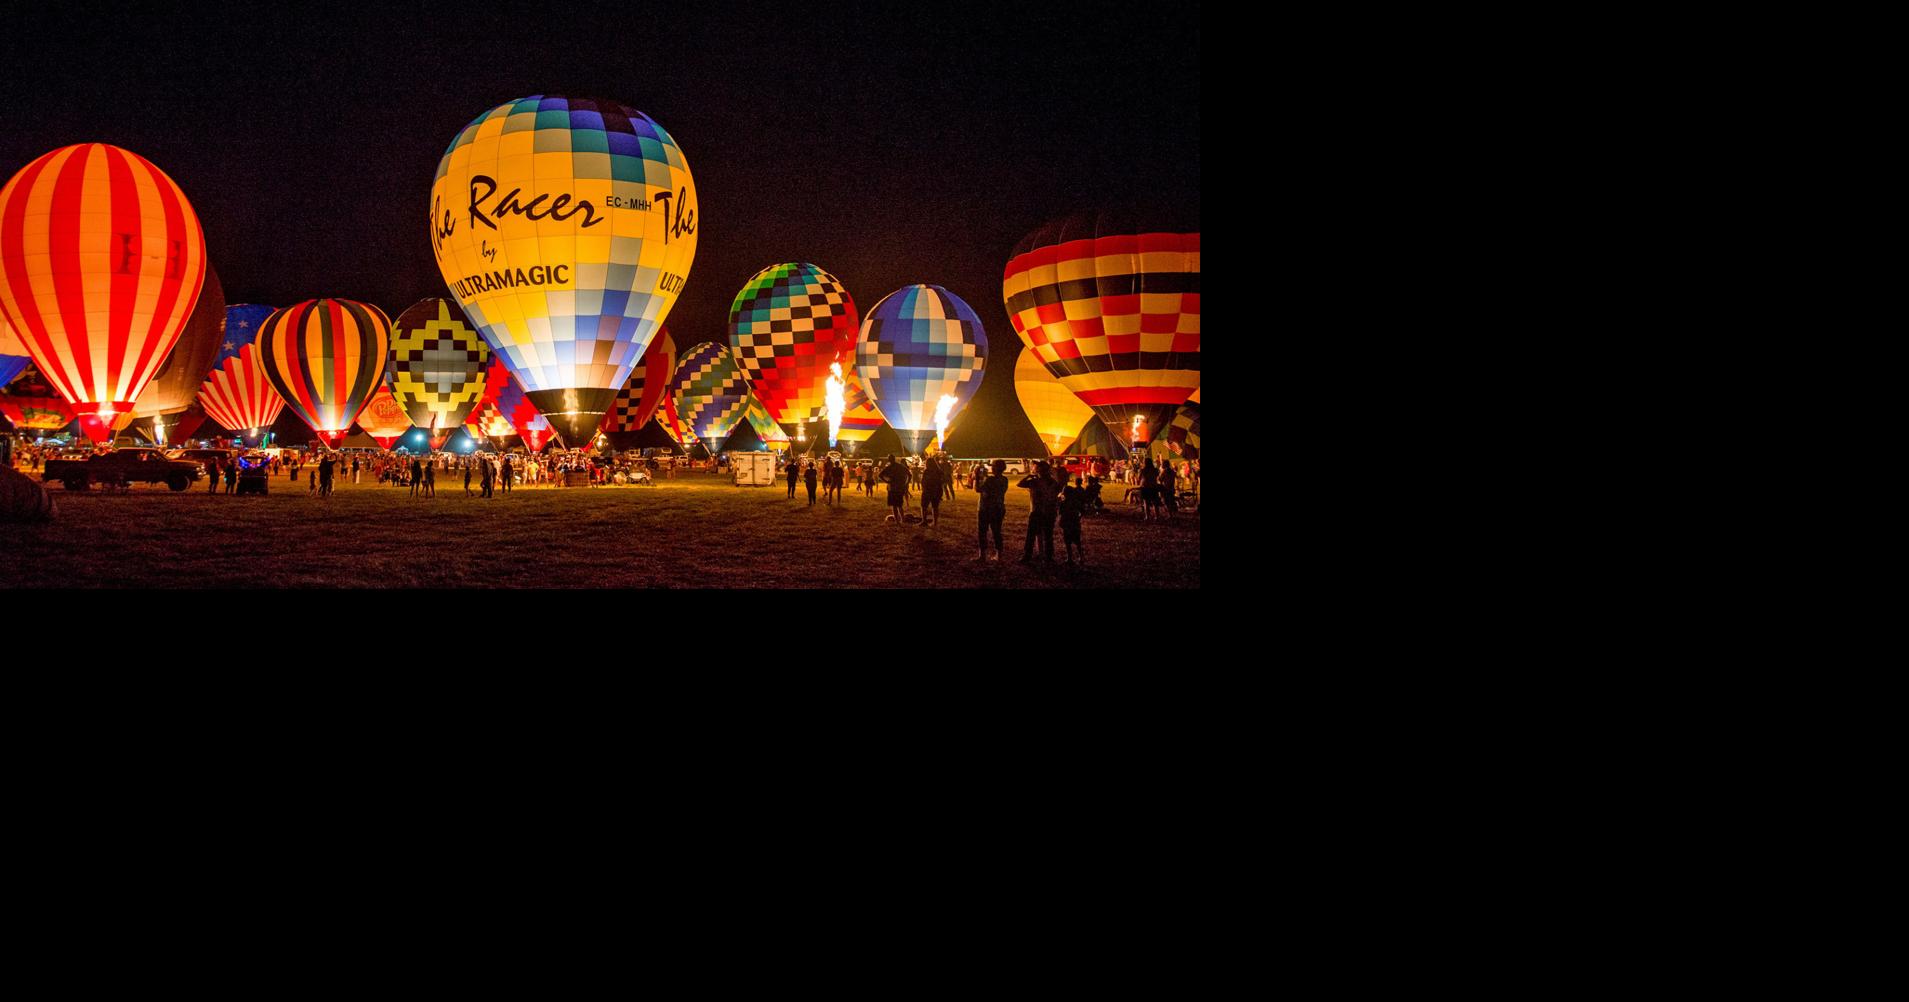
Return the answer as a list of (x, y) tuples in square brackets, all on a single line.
[(918, 344)]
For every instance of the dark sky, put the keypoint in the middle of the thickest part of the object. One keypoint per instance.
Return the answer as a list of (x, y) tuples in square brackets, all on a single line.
[(890, 143)]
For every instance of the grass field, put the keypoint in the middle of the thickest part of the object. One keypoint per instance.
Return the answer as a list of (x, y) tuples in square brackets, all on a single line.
[(694, 532)]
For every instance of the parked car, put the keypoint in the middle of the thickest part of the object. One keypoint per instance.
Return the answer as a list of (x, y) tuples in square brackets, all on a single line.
[(124, 466)]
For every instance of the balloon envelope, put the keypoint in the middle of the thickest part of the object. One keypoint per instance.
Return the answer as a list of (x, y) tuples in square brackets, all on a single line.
[(384, 419), (565, 227), (1183, 434), (509, 401), (236, 393), (711, 394), (789, 323), (101, 261), (437, 365), (30, 402), (178, 380), (920, 343), (1113, 312), (1057, 415), (649, 383), (13, 355), (326, 357)]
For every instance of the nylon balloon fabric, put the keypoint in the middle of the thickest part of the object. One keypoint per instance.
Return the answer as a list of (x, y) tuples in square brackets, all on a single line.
[(565, 227), (326, 357), (920, 343), (101, 261), (1112, 309), (789, 323)]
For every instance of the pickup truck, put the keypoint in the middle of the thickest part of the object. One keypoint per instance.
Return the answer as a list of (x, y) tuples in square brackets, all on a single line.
[(124, 466)]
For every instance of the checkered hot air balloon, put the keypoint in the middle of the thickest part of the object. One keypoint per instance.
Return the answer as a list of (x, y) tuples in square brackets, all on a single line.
[(919, 344), (437, 367), (860, 419), (786, 327), (1113, 311), (236, 393), (1183, 434), (649, 384), (565, 227), (1056, 413), (101, 262), (326, 357), (711, 394), (508, 399), (765, 426)]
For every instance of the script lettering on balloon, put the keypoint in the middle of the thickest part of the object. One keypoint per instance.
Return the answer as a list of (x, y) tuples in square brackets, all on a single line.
[(513, 203), (684, 220)]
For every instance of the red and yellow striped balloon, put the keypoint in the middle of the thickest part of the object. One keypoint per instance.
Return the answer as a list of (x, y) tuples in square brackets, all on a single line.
[(326, 357), (101, 262)]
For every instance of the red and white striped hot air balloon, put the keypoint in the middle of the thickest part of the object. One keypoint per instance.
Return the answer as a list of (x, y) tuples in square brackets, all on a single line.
[(101, 263), (236, 393)]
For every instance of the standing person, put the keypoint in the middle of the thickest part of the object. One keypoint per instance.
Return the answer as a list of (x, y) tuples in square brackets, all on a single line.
[(931, 494), (1169, 494), (430, 480), (213, 486), (417, 477), (1149, 489), (311, 482), (1073, 505), (808, 480), (994, 507), (232, 476), (1040, 522), (895, 475), (507, 474), (467, 478), (490, 478), (327, 467), (949, 477), (354, 470), (794, 472), (841, 474)]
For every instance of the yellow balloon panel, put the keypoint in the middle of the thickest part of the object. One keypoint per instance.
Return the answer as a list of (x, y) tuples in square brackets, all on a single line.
[(1056, 413)]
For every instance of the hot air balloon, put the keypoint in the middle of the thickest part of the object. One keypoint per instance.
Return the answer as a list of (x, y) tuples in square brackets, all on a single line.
[(101, 261), (486, 422), (326, 357), (649, 383), (860, 421), (919, 344), (13, 355), (236, 393), (786, 327), (176, 384), (1113, 312), (711, 394), (508, 398), (384, 419), (1057, 414), (30, 402), (1183, 434), (565, 227), (673, 425), (765, 427), (437, 367)]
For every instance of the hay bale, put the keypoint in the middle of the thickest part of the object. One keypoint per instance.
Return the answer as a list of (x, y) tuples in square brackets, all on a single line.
[(23, 500)]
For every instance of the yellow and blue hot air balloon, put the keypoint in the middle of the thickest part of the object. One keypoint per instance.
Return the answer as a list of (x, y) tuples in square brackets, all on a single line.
[(565, 227), (919, 344)]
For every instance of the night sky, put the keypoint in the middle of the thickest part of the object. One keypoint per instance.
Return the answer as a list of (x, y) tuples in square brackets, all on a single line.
[(889, 143)]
